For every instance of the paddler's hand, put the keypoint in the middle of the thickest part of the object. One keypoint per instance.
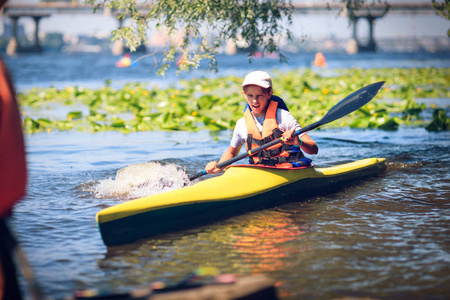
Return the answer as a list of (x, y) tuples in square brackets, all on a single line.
[(211, 168), (287, 135)]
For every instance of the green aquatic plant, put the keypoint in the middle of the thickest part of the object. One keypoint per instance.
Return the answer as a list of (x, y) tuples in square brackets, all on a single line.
[(217, 103), (440, 121)]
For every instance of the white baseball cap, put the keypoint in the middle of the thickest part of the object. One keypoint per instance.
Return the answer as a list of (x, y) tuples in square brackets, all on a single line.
[(258, 78)]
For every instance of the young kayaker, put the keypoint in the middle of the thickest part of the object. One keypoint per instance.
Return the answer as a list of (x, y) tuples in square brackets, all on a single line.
[(266, 118)]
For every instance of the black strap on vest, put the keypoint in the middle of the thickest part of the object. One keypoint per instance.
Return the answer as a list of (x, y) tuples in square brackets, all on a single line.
[(267, 157), (294, 156), (276, 133)]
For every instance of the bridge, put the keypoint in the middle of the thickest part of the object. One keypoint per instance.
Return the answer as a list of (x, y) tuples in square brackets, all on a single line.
[(368, 12)]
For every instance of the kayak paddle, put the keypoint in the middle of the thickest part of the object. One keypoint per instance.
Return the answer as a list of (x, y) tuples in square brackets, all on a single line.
[(350, 103)]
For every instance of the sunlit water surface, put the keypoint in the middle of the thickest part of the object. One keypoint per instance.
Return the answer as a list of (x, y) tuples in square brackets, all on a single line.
[(387, 237)]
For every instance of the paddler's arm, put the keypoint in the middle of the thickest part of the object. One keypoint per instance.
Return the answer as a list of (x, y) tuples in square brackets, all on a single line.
[(306, 143), (228, 154)]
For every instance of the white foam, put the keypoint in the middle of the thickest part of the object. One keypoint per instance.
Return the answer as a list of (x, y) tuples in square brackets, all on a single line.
[(140, 180)]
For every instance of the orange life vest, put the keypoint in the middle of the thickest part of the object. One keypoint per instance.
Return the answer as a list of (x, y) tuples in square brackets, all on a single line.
[(279, 155)]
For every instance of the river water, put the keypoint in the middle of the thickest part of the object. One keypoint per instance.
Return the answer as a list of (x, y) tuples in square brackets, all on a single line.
[(387, 237)]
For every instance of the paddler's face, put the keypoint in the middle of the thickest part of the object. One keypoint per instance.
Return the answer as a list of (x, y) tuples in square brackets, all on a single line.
[(257, 99)]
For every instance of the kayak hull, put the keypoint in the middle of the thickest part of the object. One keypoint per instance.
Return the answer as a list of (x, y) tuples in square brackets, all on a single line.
[(241, 189)]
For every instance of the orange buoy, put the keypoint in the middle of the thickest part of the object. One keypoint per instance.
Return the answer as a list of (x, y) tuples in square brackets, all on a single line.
[(124, 62), (319, 60)]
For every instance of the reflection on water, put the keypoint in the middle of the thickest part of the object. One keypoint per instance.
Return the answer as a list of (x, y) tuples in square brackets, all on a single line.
[(386, 237), (264, 243), (258, 243)]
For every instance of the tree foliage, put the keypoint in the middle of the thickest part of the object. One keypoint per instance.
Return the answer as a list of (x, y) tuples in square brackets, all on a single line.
[(442, 9), (353, 6), (196, 29)]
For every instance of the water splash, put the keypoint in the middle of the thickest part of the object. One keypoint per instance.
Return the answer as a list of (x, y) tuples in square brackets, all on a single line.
[(140, 180)]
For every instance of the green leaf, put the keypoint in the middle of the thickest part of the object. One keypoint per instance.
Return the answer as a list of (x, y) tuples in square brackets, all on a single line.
[(118, 124), (74, 115), (390, 124), (440, 121)]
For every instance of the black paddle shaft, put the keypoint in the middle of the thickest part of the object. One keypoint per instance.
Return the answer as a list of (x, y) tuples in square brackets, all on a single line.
[(348, 105)]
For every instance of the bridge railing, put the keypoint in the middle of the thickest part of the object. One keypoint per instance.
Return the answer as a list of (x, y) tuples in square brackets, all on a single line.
[(77, 7)]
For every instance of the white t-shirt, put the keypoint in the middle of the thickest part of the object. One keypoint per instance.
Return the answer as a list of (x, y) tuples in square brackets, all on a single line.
[(285, 122)]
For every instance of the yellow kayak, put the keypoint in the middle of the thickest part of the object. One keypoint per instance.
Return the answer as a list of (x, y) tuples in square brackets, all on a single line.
[(242, 188)]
